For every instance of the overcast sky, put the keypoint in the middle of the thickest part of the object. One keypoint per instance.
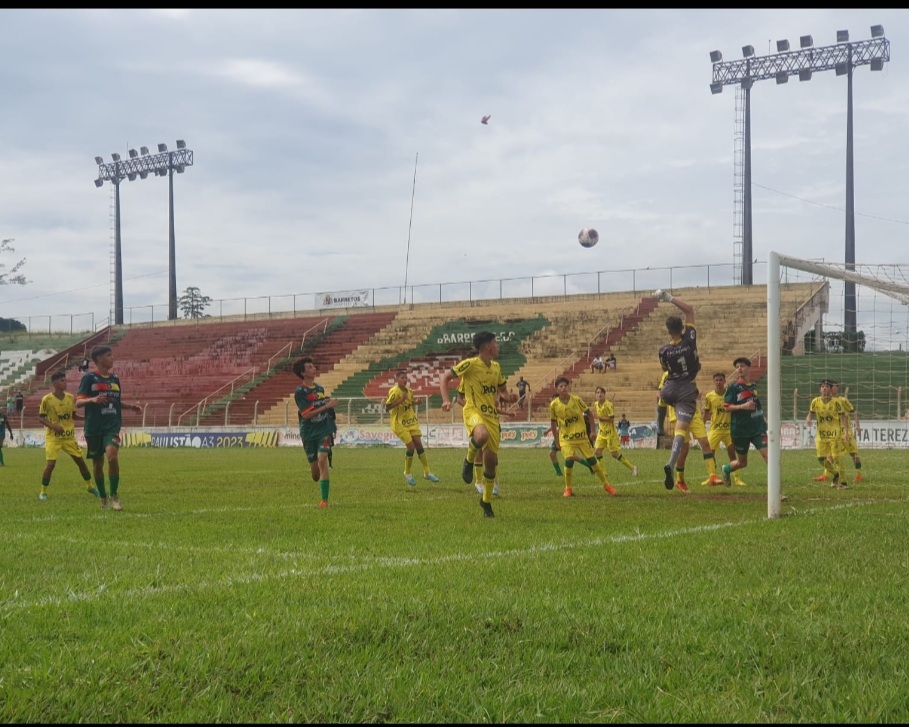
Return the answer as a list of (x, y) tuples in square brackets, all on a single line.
[(307, 127)]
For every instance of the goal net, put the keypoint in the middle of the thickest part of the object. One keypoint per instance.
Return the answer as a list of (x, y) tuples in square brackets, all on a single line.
[(852, 327)]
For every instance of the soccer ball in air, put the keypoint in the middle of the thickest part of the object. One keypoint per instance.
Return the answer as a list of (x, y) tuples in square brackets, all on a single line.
[(588, 237)]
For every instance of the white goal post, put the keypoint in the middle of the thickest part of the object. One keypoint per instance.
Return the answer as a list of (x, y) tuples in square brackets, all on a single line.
[(879, 304)]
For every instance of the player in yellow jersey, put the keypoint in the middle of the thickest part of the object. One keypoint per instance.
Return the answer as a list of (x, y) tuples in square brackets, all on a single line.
[(57, 412), (571, 426), (478, 460), (719, 418), (607, 437), (404, 423), (853, 430), (829, 439), (484, 389)]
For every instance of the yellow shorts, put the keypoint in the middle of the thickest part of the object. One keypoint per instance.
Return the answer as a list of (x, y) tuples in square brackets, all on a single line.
[(53, 447), (851, 448), (718, 437), (828, 448), (406, 434), (580, 447), (473, 419), (607, 441)]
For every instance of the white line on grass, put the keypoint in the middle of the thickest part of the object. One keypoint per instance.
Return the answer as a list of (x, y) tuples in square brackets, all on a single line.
[(10, 605)]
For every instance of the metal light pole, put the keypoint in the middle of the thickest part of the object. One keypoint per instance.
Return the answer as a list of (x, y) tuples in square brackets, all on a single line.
[(115, 174), (842, 58), (140, 164)]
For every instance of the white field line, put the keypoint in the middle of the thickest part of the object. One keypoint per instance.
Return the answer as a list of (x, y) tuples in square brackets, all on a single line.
[(14, 603)]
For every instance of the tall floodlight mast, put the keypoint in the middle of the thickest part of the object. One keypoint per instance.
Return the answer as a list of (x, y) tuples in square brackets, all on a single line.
[(140, 164), (842, 58)]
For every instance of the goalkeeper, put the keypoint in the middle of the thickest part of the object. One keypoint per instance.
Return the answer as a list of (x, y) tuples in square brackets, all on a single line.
[(679, 359)]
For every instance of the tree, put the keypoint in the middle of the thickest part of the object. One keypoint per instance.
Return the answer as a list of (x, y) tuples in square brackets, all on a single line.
[(193, 303), (13, 277)]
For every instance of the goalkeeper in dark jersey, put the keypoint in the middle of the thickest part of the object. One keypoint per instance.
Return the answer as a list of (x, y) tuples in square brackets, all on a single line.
[(679, 359)]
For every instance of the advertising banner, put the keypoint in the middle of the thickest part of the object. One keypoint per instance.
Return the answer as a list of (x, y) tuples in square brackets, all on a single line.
[(348, 299)]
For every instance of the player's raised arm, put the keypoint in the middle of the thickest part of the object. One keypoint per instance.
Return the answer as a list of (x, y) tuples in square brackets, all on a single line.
[(667, 297)]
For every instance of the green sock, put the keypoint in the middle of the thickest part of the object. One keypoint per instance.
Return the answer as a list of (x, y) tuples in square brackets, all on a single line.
[(558, 470), (114, 485), (99, 483), (323, 486)]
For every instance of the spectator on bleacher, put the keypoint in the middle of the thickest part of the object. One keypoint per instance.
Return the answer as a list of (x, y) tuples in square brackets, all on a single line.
[(4, 428), (20, 401), (10, 402), (623, 427), (523, 387), (610, 361), (83, 367), (404, 423), (598, 365)]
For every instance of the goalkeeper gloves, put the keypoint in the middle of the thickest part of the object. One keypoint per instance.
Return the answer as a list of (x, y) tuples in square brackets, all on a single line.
[(663, 295)]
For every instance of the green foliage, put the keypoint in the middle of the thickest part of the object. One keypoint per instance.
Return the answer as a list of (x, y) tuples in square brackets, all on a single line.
[(223, 593), (193, 304), (11, 276), (10, 325), (835, 342)]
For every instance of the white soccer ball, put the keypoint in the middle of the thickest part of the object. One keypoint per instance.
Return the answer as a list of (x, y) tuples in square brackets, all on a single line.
[(588, 237)]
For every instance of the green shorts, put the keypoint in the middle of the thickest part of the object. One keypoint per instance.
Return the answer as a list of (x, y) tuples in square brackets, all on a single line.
[(97, 445)]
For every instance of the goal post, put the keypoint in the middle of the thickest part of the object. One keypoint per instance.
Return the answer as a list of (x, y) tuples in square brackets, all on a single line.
[(871, 357)]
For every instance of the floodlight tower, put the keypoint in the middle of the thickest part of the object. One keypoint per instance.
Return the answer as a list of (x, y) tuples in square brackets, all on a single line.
[(114, 173), (140, 164), (842, 58)]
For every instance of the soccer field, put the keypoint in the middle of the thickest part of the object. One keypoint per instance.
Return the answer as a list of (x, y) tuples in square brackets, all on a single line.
[(223, 593)]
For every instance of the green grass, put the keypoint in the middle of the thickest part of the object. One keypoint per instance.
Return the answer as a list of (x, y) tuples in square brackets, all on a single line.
[(222, 593)]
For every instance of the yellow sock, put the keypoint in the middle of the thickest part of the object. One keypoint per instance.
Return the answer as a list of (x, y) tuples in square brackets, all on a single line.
[(425, 462), (569, 477), (710, 463), (488, 484)]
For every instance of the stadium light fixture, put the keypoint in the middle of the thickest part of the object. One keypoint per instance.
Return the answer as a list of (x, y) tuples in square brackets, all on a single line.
[(140, 165), (782, 46), (716, 88), (841, 58), (716, 56)]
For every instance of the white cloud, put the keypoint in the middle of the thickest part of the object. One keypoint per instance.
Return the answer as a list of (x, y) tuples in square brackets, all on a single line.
[(305, 125)]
